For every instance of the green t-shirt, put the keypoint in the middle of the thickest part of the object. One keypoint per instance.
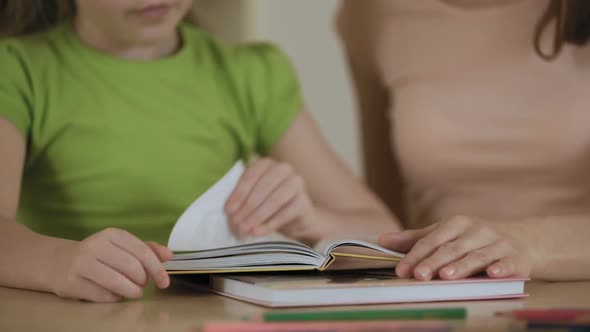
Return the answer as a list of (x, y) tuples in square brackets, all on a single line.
[(126, 144)]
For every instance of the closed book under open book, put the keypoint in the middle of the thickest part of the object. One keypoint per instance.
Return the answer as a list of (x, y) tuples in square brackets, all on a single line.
[(352, 288)]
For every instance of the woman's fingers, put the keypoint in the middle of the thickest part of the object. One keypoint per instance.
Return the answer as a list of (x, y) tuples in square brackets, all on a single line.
[(476, 261), (472, 240), (427, 245), (458, 248), (511, 266), (403, 241)]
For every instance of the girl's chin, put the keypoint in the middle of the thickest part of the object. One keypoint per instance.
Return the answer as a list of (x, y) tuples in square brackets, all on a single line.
[(156, 34)]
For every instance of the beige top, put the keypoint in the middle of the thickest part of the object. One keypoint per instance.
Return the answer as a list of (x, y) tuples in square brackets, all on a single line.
[(481, 125)]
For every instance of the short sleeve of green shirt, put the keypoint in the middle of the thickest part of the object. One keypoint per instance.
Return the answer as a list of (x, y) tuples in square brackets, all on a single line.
[(273, 92), (15, 90)]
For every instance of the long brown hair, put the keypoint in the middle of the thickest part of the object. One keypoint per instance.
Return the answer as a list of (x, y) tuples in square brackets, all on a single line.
[(571, 19), (19, 17)]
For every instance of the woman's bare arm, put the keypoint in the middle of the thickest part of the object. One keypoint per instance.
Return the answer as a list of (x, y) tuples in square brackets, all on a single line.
[(381, 169)]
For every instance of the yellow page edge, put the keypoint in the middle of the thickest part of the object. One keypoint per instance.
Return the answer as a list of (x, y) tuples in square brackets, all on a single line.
[(335, 255)]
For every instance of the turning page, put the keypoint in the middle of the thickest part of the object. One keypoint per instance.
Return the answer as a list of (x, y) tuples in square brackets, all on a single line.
[(204, 225)]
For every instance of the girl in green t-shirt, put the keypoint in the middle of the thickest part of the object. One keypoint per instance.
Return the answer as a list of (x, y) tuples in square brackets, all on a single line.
[(114, 116)]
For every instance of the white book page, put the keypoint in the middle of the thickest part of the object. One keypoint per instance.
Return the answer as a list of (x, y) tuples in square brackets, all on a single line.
[(204, 225)]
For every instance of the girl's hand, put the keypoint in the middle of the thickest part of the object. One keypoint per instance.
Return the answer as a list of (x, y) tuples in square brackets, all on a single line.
[(270, 197), (459, 247), (108, 266)]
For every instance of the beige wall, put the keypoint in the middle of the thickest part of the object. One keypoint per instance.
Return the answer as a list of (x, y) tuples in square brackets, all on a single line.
[(303, 28)]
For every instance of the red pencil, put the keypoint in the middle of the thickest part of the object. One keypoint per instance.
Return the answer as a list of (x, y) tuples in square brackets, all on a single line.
[(550, 315)]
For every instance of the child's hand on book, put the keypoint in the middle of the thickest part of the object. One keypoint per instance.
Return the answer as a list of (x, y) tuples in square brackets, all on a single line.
[(460, 247), (269, 197), (108, 266)]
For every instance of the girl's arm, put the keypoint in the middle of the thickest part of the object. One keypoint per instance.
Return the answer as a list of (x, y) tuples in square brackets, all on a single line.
[(24, 256), (343, 203), (306, 192), (104, 267)]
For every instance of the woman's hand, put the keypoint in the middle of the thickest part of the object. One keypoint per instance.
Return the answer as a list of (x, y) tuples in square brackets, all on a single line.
[(460, 247), (108, 266), (270, 197)]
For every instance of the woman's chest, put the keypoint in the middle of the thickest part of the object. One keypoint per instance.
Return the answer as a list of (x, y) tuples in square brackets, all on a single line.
[(514, 123)]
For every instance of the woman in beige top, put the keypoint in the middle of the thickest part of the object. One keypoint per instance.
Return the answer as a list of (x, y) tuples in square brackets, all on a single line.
[(476, 130)]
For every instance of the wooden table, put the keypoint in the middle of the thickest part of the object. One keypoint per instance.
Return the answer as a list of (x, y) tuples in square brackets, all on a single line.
[(183, 308)]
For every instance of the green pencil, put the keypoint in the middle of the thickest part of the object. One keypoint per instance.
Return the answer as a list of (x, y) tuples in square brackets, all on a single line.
[(360, 315)]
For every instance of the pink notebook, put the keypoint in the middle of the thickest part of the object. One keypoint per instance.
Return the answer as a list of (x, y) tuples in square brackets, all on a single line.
[(368, 287), (434, 326)]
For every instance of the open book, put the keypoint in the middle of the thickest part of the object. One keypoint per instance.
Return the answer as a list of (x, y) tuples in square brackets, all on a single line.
[(283, 256), (204, 243)]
